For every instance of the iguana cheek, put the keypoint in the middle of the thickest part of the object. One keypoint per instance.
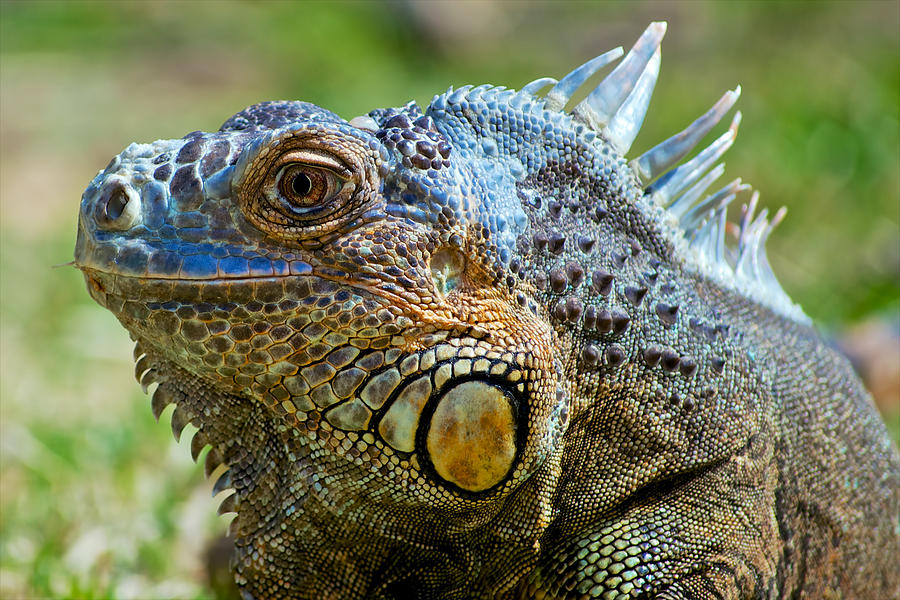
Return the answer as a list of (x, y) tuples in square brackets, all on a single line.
[(398, 427), (471, 438)]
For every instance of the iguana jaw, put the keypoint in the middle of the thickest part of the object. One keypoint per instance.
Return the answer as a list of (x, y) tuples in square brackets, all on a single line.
[(481, 373)]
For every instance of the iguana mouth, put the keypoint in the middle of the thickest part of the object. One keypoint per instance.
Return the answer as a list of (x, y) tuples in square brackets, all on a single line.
[(162, 289), (279, 294), (219, 290)]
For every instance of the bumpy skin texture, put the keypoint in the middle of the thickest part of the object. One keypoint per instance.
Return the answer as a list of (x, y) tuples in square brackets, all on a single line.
[(458, 354)]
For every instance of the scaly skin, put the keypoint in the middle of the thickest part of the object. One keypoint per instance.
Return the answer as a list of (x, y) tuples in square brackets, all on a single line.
[(460, 353)]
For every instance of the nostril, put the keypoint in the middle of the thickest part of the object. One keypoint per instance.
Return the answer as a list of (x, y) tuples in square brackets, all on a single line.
[(116, 204), (118, 207)]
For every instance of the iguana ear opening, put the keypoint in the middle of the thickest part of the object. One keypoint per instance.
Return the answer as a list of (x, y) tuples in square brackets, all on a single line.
[(447, 268)]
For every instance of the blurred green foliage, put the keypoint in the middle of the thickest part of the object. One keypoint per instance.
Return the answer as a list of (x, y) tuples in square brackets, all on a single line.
[(94, 501)]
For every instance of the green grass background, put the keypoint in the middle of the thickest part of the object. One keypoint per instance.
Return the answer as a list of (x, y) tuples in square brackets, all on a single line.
[(96, 501)]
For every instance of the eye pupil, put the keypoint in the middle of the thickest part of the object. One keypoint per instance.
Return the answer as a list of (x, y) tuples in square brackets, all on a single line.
[(301, 184)]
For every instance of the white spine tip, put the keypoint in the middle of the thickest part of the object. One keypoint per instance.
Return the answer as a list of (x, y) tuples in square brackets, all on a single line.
[(735, 123)]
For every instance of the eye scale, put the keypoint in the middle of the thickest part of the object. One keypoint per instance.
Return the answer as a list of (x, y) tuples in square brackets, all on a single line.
[(484, 349), (471, 438)]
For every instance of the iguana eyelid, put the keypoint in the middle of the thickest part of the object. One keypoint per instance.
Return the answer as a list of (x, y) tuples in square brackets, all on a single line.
[(316, 159)]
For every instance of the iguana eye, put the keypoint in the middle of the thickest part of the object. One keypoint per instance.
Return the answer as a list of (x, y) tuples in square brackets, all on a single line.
[(300, 185), (303, 188)]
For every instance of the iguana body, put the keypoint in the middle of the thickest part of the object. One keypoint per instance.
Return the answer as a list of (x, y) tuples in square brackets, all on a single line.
[(473, 352)]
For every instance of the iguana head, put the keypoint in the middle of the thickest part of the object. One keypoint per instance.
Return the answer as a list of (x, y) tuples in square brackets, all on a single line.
[(352, 279), (414, 302)]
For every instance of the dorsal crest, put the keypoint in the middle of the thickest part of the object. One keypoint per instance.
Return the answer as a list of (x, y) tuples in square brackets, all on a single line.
[(695, 219)]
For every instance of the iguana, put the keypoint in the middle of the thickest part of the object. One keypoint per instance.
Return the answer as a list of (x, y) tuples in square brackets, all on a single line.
[(474, 351)]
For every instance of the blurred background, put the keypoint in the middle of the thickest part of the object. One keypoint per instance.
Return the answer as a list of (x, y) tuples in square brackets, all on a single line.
[(96, 501)]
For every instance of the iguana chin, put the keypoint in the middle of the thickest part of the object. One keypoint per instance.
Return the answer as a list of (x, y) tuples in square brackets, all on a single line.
[(474, 351)]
